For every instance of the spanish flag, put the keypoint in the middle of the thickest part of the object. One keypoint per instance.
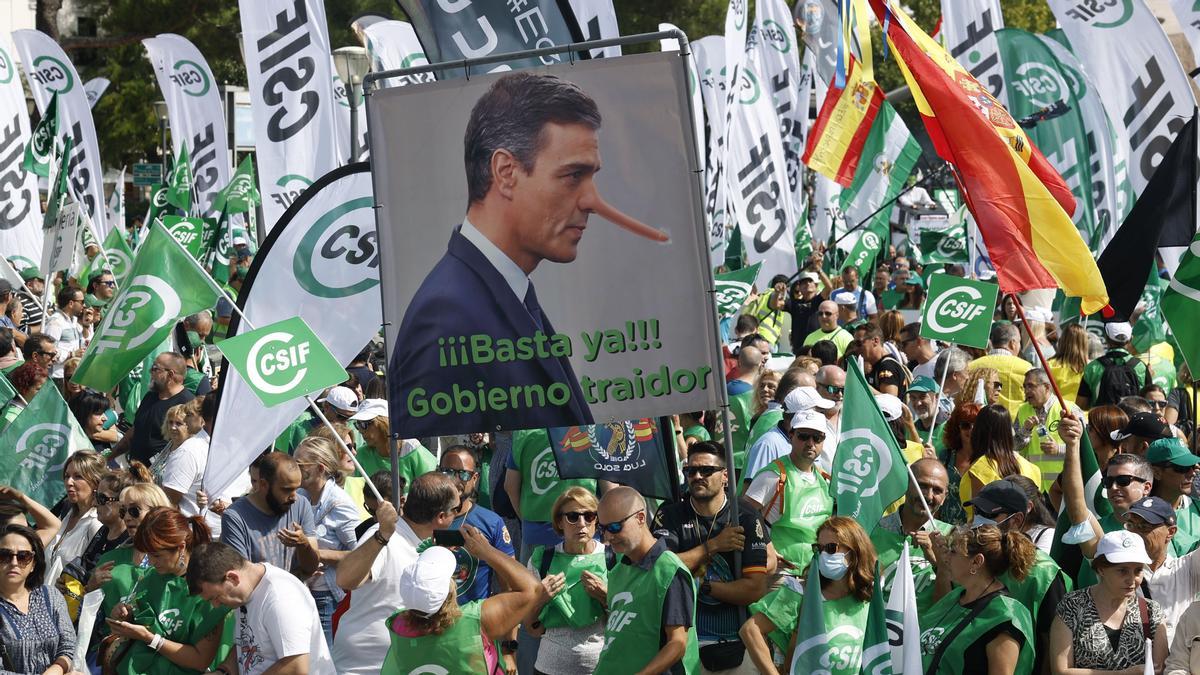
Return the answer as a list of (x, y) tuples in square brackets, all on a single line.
[(836, 141), (1020, 203)]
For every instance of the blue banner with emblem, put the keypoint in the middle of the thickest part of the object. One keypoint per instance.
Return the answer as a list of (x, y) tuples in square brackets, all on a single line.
[(632, 453)]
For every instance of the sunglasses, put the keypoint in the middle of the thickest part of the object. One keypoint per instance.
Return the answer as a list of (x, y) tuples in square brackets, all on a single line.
[(1158, 404), (361, 425), (49, 355), (1122, 481), (830, 389), (461, 474), (814, 436), (134, 511), (617, 526), (104, 500), (22, 558), (830, 548), (573, 517), (1176, 468), (110, 284), (702, 471), (995, 385)]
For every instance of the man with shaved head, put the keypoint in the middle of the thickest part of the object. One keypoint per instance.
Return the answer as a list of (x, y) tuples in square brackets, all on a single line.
[(911, 524), (651, 597), (145, 439), (749, 364), (827, 315)]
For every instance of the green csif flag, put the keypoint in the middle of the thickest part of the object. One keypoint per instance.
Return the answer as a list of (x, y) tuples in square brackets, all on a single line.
[(189, 232), (118, 256), (1068, 556), (241, 194), (179, 190), (876, 649), (7, 393), (812, 640), (732, 289), (1180, 306), (37, 444), (869, 473), (944, 246), (165, 285), (39, 154), (159, 206)]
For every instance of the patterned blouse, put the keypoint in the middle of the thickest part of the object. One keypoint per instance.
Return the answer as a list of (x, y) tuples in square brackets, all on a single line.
[(1089, 639), (952, 510), (30, 642)]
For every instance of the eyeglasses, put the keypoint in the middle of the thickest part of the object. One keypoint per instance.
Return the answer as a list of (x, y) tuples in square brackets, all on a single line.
[(829, 548), (826, 313), (831, 389), (1121, 481), (104, 500), (617, 526), (157, 368), (995, 385), (1140, 526), (22, 558), (134, 511), (49, 355), (1158, 404), (815, 436), (461, 474), (573, 517), (110, 284), (362, 425), (702, 471)]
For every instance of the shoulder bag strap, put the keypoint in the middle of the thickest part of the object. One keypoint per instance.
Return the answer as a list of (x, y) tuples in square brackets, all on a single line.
[(1144, 610), (954, 632), (779, 486), (546, 561)]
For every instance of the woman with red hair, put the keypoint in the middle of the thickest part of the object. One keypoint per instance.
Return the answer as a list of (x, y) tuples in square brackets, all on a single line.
[(957, 457), (163, 620)]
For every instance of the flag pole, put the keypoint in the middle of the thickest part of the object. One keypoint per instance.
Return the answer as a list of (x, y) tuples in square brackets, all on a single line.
[(307, 397), (941, 386), (1041, 357)]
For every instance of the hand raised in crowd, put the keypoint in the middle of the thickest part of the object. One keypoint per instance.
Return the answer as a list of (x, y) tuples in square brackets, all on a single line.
[(594, 586), (9, 493), (1070, 429), (939, 550), (728, 540), (386, 514), (293, 536), (474, 541), (202, 499), (100, 576), (928, 451)]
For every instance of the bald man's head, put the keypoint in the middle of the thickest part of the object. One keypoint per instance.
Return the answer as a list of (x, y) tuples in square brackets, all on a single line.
[(932, 481), (750, 359), (827, 313), (623, 507)]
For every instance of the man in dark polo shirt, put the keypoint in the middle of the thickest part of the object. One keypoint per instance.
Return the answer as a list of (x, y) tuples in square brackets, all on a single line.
[(145, 439)]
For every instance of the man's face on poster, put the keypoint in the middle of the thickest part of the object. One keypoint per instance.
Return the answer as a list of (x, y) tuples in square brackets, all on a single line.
[(551, 203)]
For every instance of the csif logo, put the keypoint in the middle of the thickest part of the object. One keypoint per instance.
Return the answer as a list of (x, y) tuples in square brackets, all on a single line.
[(118, 260), (7, 67), (148, 295), (775, 36), (543, 472), (839, 649), (290, 187), (1040, 83), (950, 245), (955, 309), (1102, 13), (864, 463), (277, 370), (748, 88), (41, 445), (190, 77), (339, 255), (50, 72)]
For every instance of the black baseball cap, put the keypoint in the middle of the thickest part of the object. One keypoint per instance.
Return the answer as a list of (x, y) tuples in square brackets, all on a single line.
[(1143, 425), (1153, 510), (1001, 496)]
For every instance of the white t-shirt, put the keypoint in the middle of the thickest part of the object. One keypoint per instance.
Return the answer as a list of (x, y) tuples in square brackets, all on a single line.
[(833, 436), (1175, 586), (68, 335), (361, 641), (280, 621), (762, 490), (184, 469)]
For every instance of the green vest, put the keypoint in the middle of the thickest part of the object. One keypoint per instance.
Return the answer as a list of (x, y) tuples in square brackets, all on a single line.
[(945, 616), (1051, 465), (416, 463), (1030, 592), (164, 605), (805, 506), (635, 601), (1187, 519), (845, 621), (540, 484), (458, 650), (573, 607), (125, 575), (889, 546), (764, 423), (740, 407)]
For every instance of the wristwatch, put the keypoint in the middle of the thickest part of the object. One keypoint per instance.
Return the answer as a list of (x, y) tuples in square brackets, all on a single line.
[(380, 539), (509, 647)]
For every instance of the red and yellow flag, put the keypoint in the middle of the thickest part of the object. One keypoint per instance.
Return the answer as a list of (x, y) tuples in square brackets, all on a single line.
[(1021, 204), (836, 141)]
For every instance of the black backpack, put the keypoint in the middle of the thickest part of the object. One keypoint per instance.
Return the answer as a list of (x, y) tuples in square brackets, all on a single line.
[(1118, 380)]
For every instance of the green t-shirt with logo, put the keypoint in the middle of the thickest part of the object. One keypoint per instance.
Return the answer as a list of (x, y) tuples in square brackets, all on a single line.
[(540, 484), (163, 604), (848, 615)]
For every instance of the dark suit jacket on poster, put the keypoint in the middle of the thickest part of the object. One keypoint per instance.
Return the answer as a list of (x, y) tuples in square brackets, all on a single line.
[(465, 295)]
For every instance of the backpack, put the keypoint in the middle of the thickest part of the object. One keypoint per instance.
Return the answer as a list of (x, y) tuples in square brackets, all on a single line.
[(1117, 381)]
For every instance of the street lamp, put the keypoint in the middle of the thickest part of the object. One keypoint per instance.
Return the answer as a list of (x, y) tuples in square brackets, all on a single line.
[(160, 111), (352, 64)]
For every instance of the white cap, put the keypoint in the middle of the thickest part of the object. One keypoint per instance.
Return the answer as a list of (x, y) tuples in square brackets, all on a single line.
[(844, 297), (805, 398), (425, 583), (891, 406), (240, 241), (342, 398), (1118, 331), (810, 419), (808, 276), (371, 408), (1041, 314), (1122, 547)]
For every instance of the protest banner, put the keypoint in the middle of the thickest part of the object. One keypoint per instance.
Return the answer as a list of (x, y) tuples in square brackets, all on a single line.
[(633, 453), (969, 32), (21, 216), (323, 256), (283, 361), (38, 443), (958, 310), (733, 288), (50, 72), (94, 89), (196, 112), (619, 329)]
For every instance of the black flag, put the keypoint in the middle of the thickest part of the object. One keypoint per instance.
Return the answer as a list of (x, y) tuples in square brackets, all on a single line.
[(1164, 215)]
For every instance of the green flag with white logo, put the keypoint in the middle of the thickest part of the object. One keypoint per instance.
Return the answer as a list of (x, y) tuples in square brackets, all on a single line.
[(58, 190), (733, 288), (37, 444), (159, 206), (947, 245), (812, 640), (7, 393), (876, 649), (241, 194), (283, 361), (165, 285), (189, 232), (868, 470), (179, 182), (39, 154), (1180, 305), (958, 310), (117, 256)]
